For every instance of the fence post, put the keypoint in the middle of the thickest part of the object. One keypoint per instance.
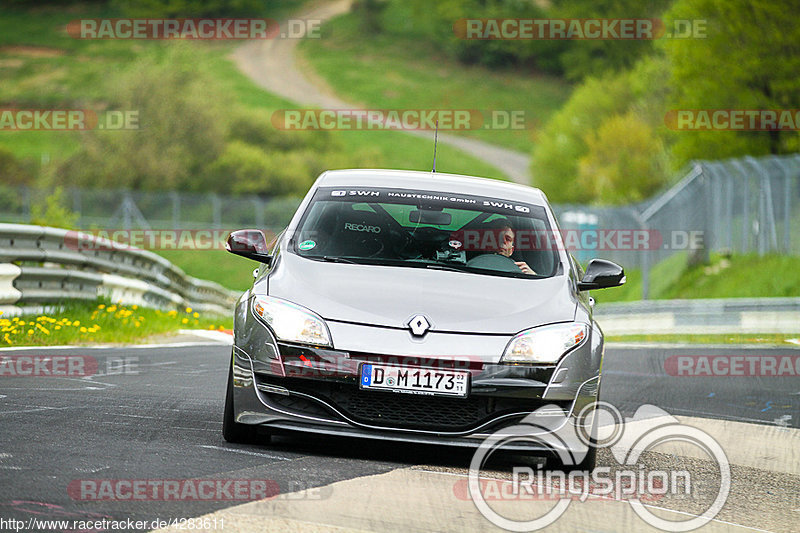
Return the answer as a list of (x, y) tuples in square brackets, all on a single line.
[(259, 207), (216, 210), (645, 257), (176, 210), (76, 205)]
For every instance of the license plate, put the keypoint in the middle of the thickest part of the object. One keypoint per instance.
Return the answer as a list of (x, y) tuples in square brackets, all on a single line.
[(433, 381)]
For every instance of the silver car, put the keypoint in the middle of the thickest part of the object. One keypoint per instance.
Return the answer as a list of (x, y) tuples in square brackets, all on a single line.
[(413, 306)]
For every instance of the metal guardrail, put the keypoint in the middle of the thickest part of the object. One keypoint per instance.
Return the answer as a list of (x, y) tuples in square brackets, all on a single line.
[(42, 265), (700, 316)]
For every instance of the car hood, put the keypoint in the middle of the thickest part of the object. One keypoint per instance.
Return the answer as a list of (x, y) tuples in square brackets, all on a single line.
[(451, 301)]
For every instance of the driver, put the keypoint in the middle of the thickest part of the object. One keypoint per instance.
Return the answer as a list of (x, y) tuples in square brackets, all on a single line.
[(505, 242)]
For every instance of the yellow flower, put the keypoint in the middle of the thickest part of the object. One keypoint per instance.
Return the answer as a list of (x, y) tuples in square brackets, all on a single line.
[(136, 324), (30, 332), (196, 315), (134, 307), (101, 306), (83, 329), (44, 329), (188, 309), (58, 327), (6, 338), (184, 321), (111, 309), (76, 323)]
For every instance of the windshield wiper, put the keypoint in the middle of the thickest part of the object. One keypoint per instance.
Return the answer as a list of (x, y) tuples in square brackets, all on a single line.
[(332, 259), (445, 267)]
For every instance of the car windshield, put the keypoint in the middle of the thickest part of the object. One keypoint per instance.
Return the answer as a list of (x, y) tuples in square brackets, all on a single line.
[(426, 229)]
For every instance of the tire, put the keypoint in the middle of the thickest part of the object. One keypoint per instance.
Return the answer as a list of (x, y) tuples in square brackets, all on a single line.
[(233, 431), (588, 463)]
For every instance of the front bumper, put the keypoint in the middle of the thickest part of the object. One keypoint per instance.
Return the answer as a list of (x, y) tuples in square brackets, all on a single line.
[(285, 387)]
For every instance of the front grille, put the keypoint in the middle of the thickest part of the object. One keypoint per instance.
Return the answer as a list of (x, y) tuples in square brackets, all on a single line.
[(397, 410)]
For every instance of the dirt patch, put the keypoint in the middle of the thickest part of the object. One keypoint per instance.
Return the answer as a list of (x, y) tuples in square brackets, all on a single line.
[(31, 51), (11, 63)]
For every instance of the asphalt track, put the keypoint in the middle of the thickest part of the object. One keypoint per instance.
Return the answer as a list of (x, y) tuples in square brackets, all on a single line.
[(154, 413)]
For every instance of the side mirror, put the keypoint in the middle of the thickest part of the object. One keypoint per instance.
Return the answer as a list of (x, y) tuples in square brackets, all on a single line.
[(249, 243), (601, 274)]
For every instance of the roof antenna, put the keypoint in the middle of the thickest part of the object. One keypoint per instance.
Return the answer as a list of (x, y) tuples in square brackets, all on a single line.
[(435, 139)]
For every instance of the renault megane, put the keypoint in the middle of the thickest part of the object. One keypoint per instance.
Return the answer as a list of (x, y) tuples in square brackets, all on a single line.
[(413, 306)]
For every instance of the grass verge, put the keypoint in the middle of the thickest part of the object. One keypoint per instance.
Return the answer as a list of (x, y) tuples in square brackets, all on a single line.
[(79, 323), (738, 276), (397, 69), (230, 271), (782, 339)]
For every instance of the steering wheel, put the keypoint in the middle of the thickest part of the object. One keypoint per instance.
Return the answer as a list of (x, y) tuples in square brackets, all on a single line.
[(370, 247), (402, 243), (496, 262)]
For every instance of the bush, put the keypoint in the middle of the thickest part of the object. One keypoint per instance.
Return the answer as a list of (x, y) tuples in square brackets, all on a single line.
[(625, 161), (188, 8), (182, 127), (12, 170), (563, 142), (54, 213)]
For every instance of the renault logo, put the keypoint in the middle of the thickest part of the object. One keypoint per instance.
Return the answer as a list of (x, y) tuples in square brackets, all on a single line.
[(419, 325)]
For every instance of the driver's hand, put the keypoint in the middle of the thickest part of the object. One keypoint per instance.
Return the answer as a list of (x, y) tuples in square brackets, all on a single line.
[(524, 267)]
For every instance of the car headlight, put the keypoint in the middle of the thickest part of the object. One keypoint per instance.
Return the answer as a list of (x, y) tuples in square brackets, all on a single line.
[(545, 344), (291, 322)]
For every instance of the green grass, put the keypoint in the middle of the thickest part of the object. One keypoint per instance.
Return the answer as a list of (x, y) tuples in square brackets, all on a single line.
[(738, 276), (395, 70), (394, 149), (78, 323), (231, 271), (760, 338), (45, 68)]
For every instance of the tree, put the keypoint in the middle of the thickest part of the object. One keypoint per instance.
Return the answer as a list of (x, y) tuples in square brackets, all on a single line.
[(749, 59), (562, 143), (182, 126), (625, 161)]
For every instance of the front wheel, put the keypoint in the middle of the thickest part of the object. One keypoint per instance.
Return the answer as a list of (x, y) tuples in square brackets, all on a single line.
[(233, 431)]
